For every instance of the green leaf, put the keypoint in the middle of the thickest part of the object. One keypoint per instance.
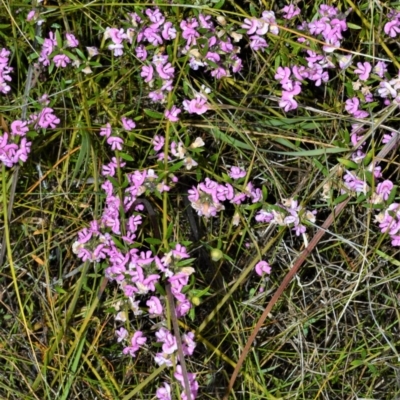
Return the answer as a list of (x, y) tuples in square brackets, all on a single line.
[(80, 54), (153, 241), (340, 199), (219, 4), (153, 114), (60, 290), (356, 363), (170, 230), (348, 163), (59, 39), (353, 26), (311, 153), (125, 156)]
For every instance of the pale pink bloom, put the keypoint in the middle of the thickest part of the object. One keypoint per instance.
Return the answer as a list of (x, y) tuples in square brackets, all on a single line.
[(384, 188), (198, 105), (19, 128), (168, 32), (47, 119), (32, 15), (262, 268), (172, 114), (72, 41), (61, 60), (380, 69), (290, 11), (128, 124), (164, 393), (106, 130), (392, 28), (122, 334), (147, 73), (115, 142), (155, 306), (363, 70)]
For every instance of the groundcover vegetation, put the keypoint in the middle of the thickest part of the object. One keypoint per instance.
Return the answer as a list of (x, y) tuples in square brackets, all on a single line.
[(199, 200)]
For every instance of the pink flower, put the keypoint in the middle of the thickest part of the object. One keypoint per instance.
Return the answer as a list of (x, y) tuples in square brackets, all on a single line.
[(155, 306), (165, 71), (290, 11), (46, 118), (115, 142), (392, 28), (168, 32), (72, 41), (380, 69), (262, 268), (352, 105), (251, 25), (141, 52), (257, 43), (137, 341), (287, 101), (116, 35), (19, 128), (61, 60), (198, 105), (188, 343), (282, 75), (106, 130), (31, 15), (237, 173), (147, 73), (164, 393), (363, 70), (158, 142), (172, 115), (345, 61), (384, 188), (121, 333), (128, 124)]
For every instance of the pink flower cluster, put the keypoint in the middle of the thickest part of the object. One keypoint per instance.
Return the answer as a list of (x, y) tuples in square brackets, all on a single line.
[(218, 55), (290, 213), (5, 71), (330, 26), (389, 218), (50, 47), (208, 197), (258, 27), (14, 145), (136, 271)]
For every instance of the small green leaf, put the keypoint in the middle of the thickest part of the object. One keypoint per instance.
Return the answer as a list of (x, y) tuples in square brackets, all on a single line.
[(125, 156), (153, 114), (356, 363), (153, 241), (219, 4), (60, 290), (392, 195), (340, 199), (58, 39), (310, 153), (348, 163), (353, 26)]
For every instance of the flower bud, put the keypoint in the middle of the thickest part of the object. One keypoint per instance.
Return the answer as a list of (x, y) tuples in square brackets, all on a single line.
[(216, 254)]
